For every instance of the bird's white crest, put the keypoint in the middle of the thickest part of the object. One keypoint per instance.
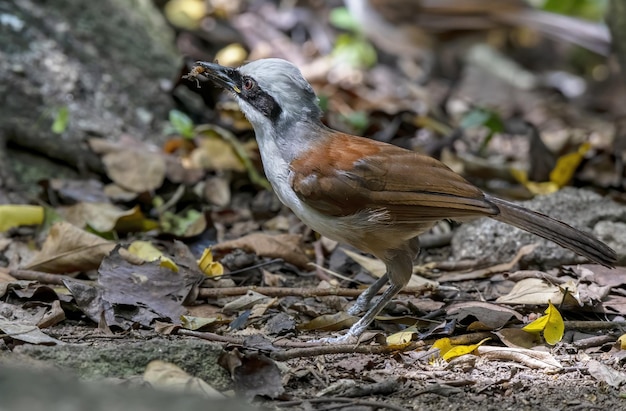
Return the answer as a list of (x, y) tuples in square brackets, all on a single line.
[(284, 82)]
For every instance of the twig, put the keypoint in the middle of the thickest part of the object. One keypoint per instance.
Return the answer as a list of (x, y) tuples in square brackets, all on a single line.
[(299, 349), (292, 291), (210, 336), (44, 278), (319, 260), (351, 401), (594, 325), (314, 351), (595, 341)]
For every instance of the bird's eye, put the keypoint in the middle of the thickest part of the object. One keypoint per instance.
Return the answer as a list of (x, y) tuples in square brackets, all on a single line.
[(248, 84)]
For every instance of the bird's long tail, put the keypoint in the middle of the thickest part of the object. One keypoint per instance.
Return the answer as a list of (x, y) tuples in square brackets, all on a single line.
[(554, 230), (593, 36)]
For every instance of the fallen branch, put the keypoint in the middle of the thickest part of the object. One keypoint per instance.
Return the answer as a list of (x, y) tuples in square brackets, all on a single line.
[(294, 291)]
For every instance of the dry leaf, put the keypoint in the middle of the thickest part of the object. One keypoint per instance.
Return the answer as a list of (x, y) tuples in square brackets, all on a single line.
[(169, 377), (147, 252), (516, 338), (285, 246), (601, 372), (377, 268), (530, 358), (245, 301), (493, 316), (105, 217), (68, 248), (551, 324), (135, 170), (330, 322), (532, 291)]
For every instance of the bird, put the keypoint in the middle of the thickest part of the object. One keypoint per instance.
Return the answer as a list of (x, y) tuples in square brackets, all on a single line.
[(372, 195), (410, 29)]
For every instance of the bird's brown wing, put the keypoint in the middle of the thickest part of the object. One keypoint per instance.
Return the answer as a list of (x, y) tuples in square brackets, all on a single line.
[(345, 175)]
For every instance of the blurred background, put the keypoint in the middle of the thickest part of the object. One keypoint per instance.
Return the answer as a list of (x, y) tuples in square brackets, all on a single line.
[(521, 97)]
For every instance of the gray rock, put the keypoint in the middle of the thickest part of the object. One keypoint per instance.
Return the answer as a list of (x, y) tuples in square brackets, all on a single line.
[(27, 390), (496, 242)]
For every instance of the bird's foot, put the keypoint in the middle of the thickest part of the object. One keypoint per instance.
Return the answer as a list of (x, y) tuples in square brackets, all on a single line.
[(361, 303)]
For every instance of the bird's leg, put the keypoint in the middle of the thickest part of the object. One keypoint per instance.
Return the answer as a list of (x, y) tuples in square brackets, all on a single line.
[(363, 301), (399, 269), (366, 296), (353, 334)]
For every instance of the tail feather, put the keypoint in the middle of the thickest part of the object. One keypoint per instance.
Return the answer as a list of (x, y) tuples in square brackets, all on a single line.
[(554, 230), (593, 36)]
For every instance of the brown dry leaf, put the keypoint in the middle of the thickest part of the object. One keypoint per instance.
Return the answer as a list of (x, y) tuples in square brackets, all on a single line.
[(147, 291), (517, 338), (135, 170), (603, 373), (5, 277), (117, 193), (614, 304), (216, 154), (532, 291), (169, 377), (68, 248), (330, 322), (76, 191), (529, 358), (492, 316), (217, 191), (53, 316), (377, 268), (21, 325), (285, 246), (603, 276), (253, 374), (273, 280), (105, 217), (250, 299), (259, 309)]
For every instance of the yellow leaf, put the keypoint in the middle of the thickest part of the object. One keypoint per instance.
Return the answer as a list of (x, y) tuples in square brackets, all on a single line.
[(551, 324), (147, 252), (562, 173), (401, 339), (622, 341), (537, 326), (459, 350), (555, 328), (547, 187), (567, 164), (18, 215), (208, 266), (444, 345)]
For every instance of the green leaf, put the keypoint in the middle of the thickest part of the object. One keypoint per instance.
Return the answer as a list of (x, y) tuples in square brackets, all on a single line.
[(589, 9), (354, 50), (480, 117), (61, 120), (358, 120), (341, 18), (181, 123)]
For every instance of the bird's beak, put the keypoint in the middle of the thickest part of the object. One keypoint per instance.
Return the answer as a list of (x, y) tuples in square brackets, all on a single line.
[(226, 77)]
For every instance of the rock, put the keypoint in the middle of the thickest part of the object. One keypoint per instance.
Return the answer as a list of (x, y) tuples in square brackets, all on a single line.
[(496, 242)]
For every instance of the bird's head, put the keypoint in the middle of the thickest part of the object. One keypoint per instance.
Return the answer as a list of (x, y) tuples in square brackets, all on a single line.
[(270, 92)]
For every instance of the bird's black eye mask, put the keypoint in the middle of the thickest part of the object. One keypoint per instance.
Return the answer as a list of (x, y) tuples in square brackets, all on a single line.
[(258, 98), (244, 87)]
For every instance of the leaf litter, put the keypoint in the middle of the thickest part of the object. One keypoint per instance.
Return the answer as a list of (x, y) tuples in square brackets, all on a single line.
[(208, 192)]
